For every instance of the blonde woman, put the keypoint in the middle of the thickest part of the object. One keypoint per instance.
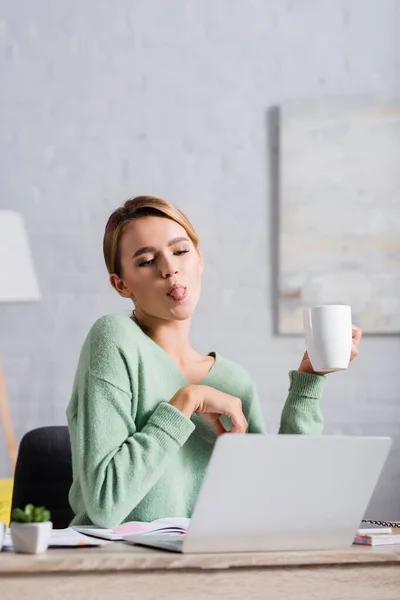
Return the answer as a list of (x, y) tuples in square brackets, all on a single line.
[(146, 407)]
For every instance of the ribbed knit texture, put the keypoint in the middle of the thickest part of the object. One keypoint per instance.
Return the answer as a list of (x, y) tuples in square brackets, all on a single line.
[(136, 457)]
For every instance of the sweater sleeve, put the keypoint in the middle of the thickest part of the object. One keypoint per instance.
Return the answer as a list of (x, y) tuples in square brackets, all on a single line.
[(117, 465), (302, 413)]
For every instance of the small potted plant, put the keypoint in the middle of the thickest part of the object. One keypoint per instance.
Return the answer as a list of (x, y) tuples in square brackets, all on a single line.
[(30, 529)]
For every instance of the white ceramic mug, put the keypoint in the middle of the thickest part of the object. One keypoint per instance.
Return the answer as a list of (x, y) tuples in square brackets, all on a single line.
[(328, 333)]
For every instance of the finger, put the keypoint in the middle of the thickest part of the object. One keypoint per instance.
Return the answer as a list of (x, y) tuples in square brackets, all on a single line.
[(236, 419), (218, 428), (354, 350), (238, 429), (233, 410), (356, 334), (239, 423)]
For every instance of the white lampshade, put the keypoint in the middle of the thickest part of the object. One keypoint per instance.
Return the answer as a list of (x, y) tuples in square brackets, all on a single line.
[(18, 281)]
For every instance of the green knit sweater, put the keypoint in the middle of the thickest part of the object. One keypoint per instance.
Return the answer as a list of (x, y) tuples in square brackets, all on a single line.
[(136, 457)]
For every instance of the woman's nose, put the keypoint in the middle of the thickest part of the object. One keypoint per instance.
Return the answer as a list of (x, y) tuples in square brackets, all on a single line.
[(168, 269)]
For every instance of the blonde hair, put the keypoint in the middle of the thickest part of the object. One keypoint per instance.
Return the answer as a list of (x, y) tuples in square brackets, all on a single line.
[(136, 208)]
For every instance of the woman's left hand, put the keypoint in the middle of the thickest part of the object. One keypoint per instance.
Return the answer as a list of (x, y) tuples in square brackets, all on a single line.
[(306, 367)]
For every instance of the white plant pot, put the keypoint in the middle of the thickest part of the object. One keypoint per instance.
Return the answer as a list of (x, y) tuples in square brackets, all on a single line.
[(31, 538), (2, 533)]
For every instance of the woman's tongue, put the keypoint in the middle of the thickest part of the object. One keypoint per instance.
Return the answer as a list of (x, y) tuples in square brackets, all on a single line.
[(177, 293)]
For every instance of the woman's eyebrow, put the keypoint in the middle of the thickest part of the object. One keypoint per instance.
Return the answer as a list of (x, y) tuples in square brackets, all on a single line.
[(147, 249), (144, 250), (177, 240)]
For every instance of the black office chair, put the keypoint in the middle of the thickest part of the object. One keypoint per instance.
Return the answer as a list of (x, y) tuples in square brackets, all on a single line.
[(43, 473)]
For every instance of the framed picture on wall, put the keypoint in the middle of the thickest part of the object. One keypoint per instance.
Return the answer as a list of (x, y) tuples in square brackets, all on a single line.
[(339, 210)]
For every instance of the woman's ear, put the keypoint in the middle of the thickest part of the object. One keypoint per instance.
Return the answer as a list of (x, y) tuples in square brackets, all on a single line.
[(119, 286)]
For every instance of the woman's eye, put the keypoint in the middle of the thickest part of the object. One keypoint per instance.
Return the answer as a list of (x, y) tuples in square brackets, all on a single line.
[(146, 263)]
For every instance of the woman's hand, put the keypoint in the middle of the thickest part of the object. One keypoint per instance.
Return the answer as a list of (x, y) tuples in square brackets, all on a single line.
[(210, 404), (306, 367)]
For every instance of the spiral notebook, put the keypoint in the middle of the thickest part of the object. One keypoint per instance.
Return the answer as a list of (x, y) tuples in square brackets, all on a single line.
[(380, 533)]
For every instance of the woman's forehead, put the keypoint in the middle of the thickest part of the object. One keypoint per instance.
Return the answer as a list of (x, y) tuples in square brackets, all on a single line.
[(152, 231)]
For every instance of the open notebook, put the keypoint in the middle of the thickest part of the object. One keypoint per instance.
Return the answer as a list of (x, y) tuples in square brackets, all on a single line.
[(165, 526)]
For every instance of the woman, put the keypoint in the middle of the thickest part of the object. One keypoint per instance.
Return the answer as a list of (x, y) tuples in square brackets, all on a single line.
[(146, 408)]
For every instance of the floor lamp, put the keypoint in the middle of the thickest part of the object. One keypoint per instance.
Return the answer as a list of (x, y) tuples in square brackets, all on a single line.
[(18, 283)]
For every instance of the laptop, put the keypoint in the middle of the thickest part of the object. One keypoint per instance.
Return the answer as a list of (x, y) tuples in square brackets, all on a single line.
[(280, 492)]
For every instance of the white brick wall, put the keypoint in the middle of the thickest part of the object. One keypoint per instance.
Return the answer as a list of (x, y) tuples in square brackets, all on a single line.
[(103, 100)]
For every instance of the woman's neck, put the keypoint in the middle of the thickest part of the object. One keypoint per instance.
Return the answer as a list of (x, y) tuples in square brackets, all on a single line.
[(172, 336)]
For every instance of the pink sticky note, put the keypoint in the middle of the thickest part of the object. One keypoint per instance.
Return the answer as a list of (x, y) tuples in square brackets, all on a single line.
[(129, 528)]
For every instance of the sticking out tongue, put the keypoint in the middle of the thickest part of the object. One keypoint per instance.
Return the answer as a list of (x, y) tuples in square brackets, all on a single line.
[(178, 293)]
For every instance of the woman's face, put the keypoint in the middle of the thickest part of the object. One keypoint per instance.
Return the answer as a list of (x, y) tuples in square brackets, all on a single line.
[(160, 268)]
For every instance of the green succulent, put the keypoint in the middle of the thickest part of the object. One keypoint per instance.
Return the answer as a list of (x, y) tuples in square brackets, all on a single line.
[(31, 514)]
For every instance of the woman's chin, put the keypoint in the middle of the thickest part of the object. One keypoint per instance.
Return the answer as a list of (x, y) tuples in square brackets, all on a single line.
[(181, 315), (181, 311)]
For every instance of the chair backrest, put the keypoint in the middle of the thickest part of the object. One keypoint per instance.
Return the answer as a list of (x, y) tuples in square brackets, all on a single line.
[(43, 473)]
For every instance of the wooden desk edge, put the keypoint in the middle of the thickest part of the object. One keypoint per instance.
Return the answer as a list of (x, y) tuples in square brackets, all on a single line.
[(123, 557)]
